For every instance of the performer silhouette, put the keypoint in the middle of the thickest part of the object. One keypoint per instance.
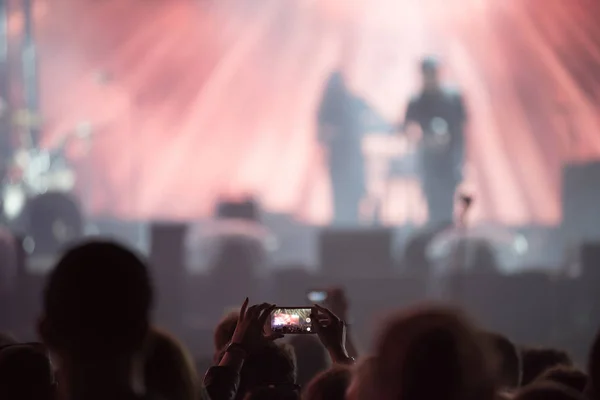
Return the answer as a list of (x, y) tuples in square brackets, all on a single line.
[(440, 112), (343, 119)]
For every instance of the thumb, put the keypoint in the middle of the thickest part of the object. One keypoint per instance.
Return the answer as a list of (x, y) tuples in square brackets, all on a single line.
[(314, 322)]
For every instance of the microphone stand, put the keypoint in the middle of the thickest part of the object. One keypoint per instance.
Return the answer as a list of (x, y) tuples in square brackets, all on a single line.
[(462, 254)]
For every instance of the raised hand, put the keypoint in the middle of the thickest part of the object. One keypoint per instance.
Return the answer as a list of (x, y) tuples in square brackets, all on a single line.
[(249, 332), (337, 302), (332, 333)]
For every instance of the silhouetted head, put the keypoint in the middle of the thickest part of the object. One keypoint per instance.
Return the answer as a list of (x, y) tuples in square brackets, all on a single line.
[(536, 361), (169, 370), (97, 303), (269, 365), (432, 353), (507, 357), (430, 72), (593, 387), (548, 391), (25, 373), (361, 385), (572, 377), (311, 357), (329, 385)]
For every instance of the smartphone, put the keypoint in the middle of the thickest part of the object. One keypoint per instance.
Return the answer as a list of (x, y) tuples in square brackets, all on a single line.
[(291, 320), (316, 296)]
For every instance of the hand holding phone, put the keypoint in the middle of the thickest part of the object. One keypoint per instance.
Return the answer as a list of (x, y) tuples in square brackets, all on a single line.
[(249, 331), (332, 333)]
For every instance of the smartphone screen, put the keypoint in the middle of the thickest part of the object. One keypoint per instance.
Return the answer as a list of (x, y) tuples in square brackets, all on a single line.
[(316, 296), (291, 320)]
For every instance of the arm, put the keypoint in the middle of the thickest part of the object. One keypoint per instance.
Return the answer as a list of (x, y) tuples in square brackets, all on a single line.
[(351, 343), (332, 333), (221, 383), (337, 302)]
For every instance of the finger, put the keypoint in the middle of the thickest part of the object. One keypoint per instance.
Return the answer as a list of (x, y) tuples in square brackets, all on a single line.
[(251, 313), (259, 310), (266, 314), (314, 313), (327, 312), (314, 322), (321, 314), (263, 307), (243, 309)]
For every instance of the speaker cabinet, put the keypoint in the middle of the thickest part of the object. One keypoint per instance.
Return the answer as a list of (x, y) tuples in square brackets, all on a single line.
[(581, 202)]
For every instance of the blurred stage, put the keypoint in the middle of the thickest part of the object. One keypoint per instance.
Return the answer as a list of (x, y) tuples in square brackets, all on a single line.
[(175, 105), (193, 100)]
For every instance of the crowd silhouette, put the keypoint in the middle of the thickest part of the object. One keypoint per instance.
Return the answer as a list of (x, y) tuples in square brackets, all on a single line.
[(98, 341)]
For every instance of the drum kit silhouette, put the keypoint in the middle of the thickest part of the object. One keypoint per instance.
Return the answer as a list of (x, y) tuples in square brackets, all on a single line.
[(36, 193)]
